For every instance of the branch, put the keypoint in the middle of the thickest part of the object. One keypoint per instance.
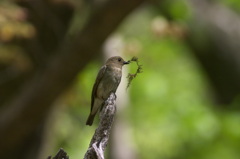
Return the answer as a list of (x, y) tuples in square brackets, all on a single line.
[(60, 155), (100, 138)]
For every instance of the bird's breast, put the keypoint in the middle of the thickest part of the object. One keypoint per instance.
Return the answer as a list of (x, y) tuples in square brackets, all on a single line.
[(117, 74), (109, 82)]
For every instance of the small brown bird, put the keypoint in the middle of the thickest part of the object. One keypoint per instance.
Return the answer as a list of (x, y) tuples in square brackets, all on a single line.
[(107, 81)]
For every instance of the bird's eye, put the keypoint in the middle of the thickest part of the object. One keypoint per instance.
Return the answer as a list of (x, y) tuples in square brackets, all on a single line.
[(119, 59)]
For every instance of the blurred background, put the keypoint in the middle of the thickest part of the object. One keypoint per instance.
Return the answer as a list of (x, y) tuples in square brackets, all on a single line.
[(185, 104)]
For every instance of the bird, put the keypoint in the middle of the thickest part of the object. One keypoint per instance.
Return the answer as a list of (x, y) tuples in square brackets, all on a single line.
[(107, 81)]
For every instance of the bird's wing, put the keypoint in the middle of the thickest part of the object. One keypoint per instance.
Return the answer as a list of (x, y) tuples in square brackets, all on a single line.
[(95, 86)]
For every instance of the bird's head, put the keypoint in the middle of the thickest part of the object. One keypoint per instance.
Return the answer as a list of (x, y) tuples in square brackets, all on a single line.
[(116, 61)]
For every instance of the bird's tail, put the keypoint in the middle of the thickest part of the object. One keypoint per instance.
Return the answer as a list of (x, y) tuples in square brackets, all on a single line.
[(90, 119)]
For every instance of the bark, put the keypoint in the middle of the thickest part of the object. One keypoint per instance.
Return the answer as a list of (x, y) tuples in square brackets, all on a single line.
[(100, 138), (21, 118), (60, 155)]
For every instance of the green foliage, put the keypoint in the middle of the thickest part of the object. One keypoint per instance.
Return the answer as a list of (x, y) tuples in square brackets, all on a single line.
[(176, 9), (232, 4), (171, 111)]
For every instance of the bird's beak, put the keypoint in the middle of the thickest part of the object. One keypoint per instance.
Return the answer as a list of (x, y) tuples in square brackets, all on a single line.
[(126, 62)]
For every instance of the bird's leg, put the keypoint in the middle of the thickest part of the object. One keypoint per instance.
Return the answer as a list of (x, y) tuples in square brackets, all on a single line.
[(105, 100)]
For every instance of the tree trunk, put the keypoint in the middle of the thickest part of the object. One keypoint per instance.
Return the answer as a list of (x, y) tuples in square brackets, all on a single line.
[(213, 37)]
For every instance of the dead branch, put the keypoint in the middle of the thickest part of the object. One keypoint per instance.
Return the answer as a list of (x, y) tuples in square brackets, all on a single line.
[(101, 136)]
